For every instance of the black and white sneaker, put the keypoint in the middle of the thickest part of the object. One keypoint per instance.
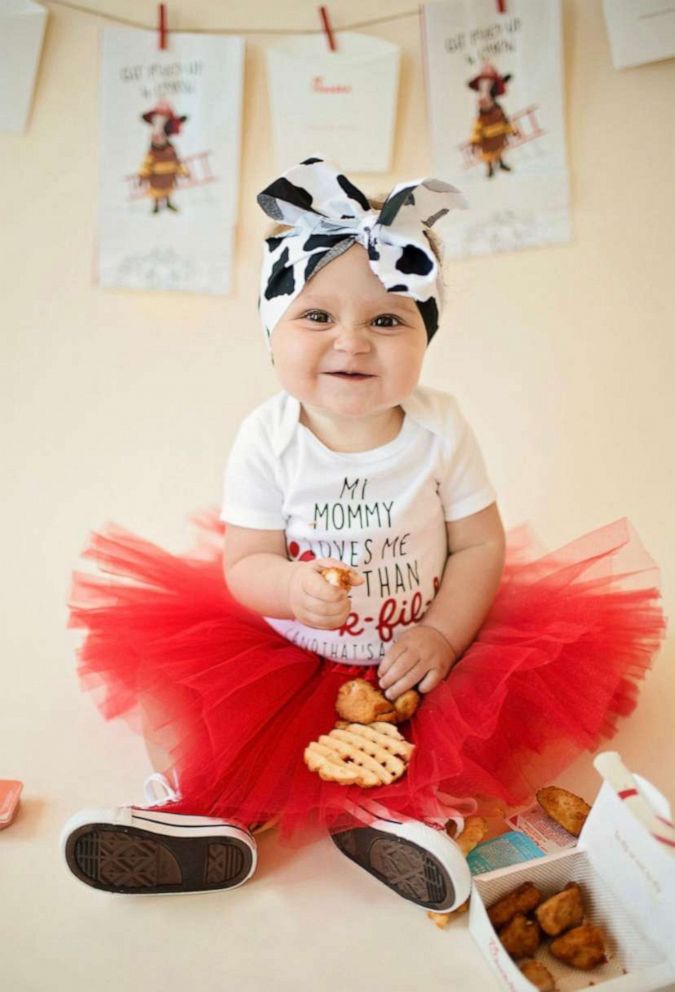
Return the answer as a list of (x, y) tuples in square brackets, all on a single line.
[(418, 862), (141, 851)]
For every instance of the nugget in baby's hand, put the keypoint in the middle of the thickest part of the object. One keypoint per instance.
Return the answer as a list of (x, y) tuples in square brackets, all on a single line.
[(406, 704), (342, 578), (359, 701)]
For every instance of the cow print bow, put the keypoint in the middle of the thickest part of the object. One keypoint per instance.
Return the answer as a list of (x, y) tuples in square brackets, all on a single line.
[(327, 214)]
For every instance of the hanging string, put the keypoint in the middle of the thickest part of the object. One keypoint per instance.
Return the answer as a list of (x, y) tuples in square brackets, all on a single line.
[(80, 9)]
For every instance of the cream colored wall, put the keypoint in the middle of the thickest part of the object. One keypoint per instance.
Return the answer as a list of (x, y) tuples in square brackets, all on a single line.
[(121, 406)]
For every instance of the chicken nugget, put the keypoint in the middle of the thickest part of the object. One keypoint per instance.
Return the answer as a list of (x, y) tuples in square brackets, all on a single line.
[(442, 919), (521, 937), (583, 947), (406, 704), (522, 900), (539, 975), (338, 577), (562, 911), (564, 807), (358, 701), (475, 828)]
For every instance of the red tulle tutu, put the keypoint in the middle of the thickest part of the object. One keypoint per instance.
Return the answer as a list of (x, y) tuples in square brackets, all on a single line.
[(556, 663)]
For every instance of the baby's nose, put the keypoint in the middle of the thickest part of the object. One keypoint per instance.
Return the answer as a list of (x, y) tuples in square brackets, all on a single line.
[(352, 336)]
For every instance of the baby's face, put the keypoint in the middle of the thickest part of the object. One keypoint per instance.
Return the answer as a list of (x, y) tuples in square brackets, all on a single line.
[(344, 320)]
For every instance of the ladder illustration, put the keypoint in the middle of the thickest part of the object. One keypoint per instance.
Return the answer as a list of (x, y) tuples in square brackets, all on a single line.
[(200, 174), (528, 130)]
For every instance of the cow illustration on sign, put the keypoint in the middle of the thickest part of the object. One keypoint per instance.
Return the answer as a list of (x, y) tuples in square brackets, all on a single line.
[(161, 165), (492, 127)]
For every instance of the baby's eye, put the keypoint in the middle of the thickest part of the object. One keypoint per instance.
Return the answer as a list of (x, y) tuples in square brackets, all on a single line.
[(323, 317), (388, 317), (315, 313)]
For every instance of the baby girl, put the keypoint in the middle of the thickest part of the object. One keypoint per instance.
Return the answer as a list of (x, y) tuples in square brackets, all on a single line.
[(352, 464)]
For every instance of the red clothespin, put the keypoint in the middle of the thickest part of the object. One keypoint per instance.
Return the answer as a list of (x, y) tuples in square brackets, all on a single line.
[(328, 31), (161, 25), (501, 6)]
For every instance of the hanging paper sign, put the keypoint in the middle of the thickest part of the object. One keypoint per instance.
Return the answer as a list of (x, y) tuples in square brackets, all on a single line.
[(640, 31), (343, 102), (169, 154), (495, 94), (22, 29)]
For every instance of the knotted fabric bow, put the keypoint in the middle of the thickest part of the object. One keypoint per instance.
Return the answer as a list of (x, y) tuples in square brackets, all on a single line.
[(328, 214)]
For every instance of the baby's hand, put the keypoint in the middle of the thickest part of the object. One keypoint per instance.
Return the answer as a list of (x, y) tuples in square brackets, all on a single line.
[(313, 600), (420, 658)]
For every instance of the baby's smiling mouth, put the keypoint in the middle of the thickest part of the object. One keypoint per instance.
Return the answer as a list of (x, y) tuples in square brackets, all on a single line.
[(350, 375)]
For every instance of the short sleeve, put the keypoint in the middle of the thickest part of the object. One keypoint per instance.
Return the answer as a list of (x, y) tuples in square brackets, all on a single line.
[(465, 486), (252, 496)]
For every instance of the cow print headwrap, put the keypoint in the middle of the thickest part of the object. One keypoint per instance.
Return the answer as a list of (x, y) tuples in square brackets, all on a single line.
[(328, 214)]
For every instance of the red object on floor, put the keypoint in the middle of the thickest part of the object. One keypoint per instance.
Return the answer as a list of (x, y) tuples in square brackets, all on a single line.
[(555, 665), (10, 794)]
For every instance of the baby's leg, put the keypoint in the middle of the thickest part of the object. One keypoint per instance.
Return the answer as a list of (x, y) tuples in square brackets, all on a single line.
[(150, 849), (160, 740), (160, 733), (418, 862), (158, 753)]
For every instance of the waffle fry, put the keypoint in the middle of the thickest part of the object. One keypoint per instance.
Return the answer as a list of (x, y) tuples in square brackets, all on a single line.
[(367, 756)]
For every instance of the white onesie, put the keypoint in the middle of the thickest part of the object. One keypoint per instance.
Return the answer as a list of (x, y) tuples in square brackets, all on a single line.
[(381, 511)]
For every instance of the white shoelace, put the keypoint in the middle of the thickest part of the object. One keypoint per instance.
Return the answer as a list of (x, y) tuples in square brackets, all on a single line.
[(158, 789)]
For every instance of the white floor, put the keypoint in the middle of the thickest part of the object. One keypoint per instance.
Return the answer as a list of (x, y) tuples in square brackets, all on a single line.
[(307, 920)]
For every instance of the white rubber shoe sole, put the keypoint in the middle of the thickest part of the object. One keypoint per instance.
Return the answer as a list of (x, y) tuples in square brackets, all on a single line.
[(147, 852), (419, 863)]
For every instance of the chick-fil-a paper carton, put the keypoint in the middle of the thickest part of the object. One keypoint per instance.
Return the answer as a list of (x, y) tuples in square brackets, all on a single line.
[(627, 878)]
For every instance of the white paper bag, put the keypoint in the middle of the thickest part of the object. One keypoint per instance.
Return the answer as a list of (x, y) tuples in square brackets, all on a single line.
[(167, 215), (22, 29), (640, 31), (342, 102), (505, 150), (638, 866)]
